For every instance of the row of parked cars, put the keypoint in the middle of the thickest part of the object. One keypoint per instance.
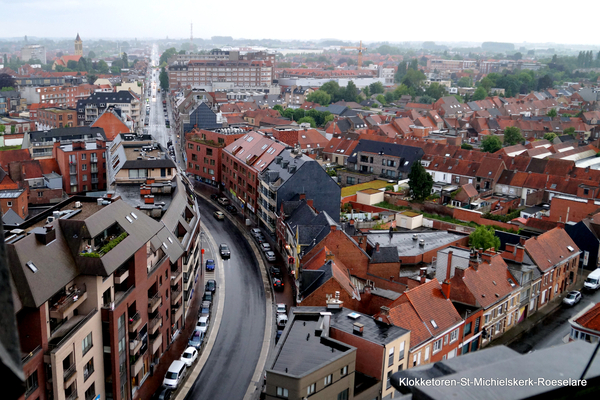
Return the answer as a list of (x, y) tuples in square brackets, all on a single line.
[(178, 369)]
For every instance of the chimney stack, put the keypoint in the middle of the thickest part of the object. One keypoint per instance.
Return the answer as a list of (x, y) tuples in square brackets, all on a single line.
[(377, 247), (449, 266), (423, 275), (385, 311), (330, 257), (522, 241)]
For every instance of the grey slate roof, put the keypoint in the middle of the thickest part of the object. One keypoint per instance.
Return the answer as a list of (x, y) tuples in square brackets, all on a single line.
[(311, 280), (76, 132), (11, 218), (385, 255), (407, 154), (406, 246)]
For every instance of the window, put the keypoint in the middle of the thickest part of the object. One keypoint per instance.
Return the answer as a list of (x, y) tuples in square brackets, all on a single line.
[(83, 156), (453, 335), (391, 357), (9, 203), (350, 180), (446, 339), (437, 346), (31, 383), (401, 352), (40, 194), (209, 152), (86, 343), (388, 383), (343, 395), (311, 389), (282, 392), (85, 177), (84, 167), (467, 329), (486, 318), (91, 392), (426, 353), (328, 379), (344, 371), (88, 369)]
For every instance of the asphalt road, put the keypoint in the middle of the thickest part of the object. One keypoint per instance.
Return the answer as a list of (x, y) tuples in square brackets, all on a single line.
[(552, 330), (229, 368)]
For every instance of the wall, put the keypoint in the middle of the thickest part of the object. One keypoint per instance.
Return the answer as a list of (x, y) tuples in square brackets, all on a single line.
[(369, 199), (18, 205), (565, 210), (369, 355), (45, 196)]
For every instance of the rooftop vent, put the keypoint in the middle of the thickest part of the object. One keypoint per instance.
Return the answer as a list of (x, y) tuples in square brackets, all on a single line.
[(358, 328), (354, 315), (422, 243), (415, 236)]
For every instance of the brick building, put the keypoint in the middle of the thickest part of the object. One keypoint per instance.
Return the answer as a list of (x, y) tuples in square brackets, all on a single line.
[(50, 118), (203, 152), (64, 96), (82, 164), (242, 161)]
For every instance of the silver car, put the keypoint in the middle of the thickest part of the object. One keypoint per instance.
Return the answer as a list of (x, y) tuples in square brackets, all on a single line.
[(270, 256), (572, 298)]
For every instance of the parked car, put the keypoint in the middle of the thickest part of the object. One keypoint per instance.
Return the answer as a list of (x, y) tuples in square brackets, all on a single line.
[(277, 284), (278, 335), (211, 285), (210, 265), (572, 298), (204, 309), (260, 239), (270, 256), (593, 280), (202, 324), (163, 393), (275, 271), (207, 296), (282, 319), (232, 210), (255, 232), (214, 197), (175, 374), (196, 339), (265, 247), (189, 356), (224, 201), (224, 250), (281, 308)]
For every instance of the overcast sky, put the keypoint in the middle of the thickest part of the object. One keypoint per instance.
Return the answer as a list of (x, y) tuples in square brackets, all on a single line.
[(513, 21)]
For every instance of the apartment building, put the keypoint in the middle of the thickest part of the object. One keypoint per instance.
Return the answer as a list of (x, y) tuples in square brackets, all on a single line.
[(82, 164), (203, 152), (34, 52), (241, 73), (291, 174), (50, 118), (95, 300), (242, 162), (89, 109), (63, 96), (41, 143)]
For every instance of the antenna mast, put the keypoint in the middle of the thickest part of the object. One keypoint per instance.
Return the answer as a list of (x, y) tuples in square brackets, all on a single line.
[(191, 33)]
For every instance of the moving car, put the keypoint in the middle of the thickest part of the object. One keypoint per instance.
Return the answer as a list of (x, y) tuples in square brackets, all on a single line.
[(281, 308), (196, 339), (202, 324), (210, 265), (224, 201), (270, 256), (224, 251), (211, 285), (277, 284), (265, 247), (219, 215), (175, 374), (572, 298), (232, 210), (189, 356)]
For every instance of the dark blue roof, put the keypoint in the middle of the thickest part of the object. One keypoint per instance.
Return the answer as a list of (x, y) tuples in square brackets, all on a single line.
[(407, 154)]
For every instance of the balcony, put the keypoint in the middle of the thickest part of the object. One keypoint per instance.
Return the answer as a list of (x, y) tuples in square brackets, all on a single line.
[(94, 160), (155, 343), (155, 324), (94, 168), (73, 170), (72, 396), (176, 312), (94, 180), (154, 302), (69, 302), (176, 296), (134, 322), (135, 345), (136, 365), (63, 333), (176, 276), (70, 373), (121, 275)]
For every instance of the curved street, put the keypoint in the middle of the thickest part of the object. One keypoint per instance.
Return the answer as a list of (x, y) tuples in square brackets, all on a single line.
[(229, 368)]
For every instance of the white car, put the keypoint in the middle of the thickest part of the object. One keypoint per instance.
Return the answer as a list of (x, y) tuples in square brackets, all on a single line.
[(255, 232), (572, 298), (281, 308), (270, 256), (265, 247), (189, 356), (202, 324)]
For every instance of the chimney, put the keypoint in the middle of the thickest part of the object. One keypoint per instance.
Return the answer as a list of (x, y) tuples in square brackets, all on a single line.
[(385, 311), (351, 222), (522, 241), (358, 328), (47, 234), (520, 254), (329, 256), (302, 196), (333, 227), (310, 203), (423, 274), (487, 256), (474, 259), (149, 199), (334, 303), (449, 266), (377, 247)]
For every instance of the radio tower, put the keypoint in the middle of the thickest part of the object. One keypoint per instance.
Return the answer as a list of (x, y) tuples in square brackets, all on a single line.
[(191, 33)]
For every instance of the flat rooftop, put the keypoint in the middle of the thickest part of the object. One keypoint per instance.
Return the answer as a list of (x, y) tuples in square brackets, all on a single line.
[(407, 246), (132, 153), (302, 351)]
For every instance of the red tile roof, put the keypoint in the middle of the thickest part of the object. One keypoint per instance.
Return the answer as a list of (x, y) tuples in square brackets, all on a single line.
[(591, 318), (112, 125), (8, 156), (49, 165), (489, 282), (550, 248)]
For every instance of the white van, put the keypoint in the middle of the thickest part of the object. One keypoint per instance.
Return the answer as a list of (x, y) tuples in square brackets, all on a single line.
[(593, 280), (282, 319), (175, 374)]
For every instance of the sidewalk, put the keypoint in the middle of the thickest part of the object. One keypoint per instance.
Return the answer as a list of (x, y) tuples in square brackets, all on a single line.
[(539, 316)]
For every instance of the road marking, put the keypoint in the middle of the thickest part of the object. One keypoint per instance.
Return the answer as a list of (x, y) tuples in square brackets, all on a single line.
[(214, 327)]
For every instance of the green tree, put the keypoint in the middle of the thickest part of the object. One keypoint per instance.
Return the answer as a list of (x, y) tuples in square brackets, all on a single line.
[(366, 91), (512, 136), (376, 88), (72, 65), (351, 92), (310, 120), (552, 113), (6, 80), (491, 144), (2, 129), (436, 91), (125, 60), (380, 98), (5, 60), (298, 114), (480, 93), (319, 96), (279, 108), (91, 54), (465, 81), (486, 83), (550, 136), (466, 146), (288, 113), (328, 118), (333, 89), (163, 78), (483, 237), (413, 79), (544, 82), (13, 129), (419, 181), (400, 72), (91, 78), (389, 97), (164, 57), (102, 67), (425, 99), (570, 131)]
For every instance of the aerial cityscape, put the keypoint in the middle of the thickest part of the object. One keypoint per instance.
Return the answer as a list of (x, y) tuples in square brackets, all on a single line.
[(337, 216)]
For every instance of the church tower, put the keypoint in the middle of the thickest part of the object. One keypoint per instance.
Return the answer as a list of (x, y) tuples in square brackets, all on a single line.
[(78, 46)]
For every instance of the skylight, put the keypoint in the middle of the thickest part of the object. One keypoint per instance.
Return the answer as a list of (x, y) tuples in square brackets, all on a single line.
[(134, 216), (129, 219), (170, 240), (570, 248), (31, 266), (434, 324), (353, 315), (250, 138), (165, 245)]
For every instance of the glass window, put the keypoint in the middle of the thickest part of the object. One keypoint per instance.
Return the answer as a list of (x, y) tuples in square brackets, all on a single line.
[(328, 379), (86, 343), (437, 346), (282, 392), (31, 383), (88, 369), (83, 156), (343, 395), (391, 357), (311, 389)]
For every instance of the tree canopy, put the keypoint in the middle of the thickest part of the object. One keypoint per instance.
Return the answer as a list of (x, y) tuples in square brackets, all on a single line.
[(419, 181), (7, 81), (167, 54), (483, 238), (480, 93), (491, 144), (512, 136), (552, 113), (319, 96), (163, 78), (310, 120), (550, 136)]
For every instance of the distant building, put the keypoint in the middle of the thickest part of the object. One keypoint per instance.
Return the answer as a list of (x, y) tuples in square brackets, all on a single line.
[(33, 52), (78, 46)]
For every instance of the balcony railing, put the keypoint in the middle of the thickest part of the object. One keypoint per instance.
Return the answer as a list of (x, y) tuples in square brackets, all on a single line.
[(135, 344), (94, 180), (69, 372), (134, 322), (153, 302), (94, 159), (72, 396), (30, 355), (155, 323), (70, 301), (94, 168)]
